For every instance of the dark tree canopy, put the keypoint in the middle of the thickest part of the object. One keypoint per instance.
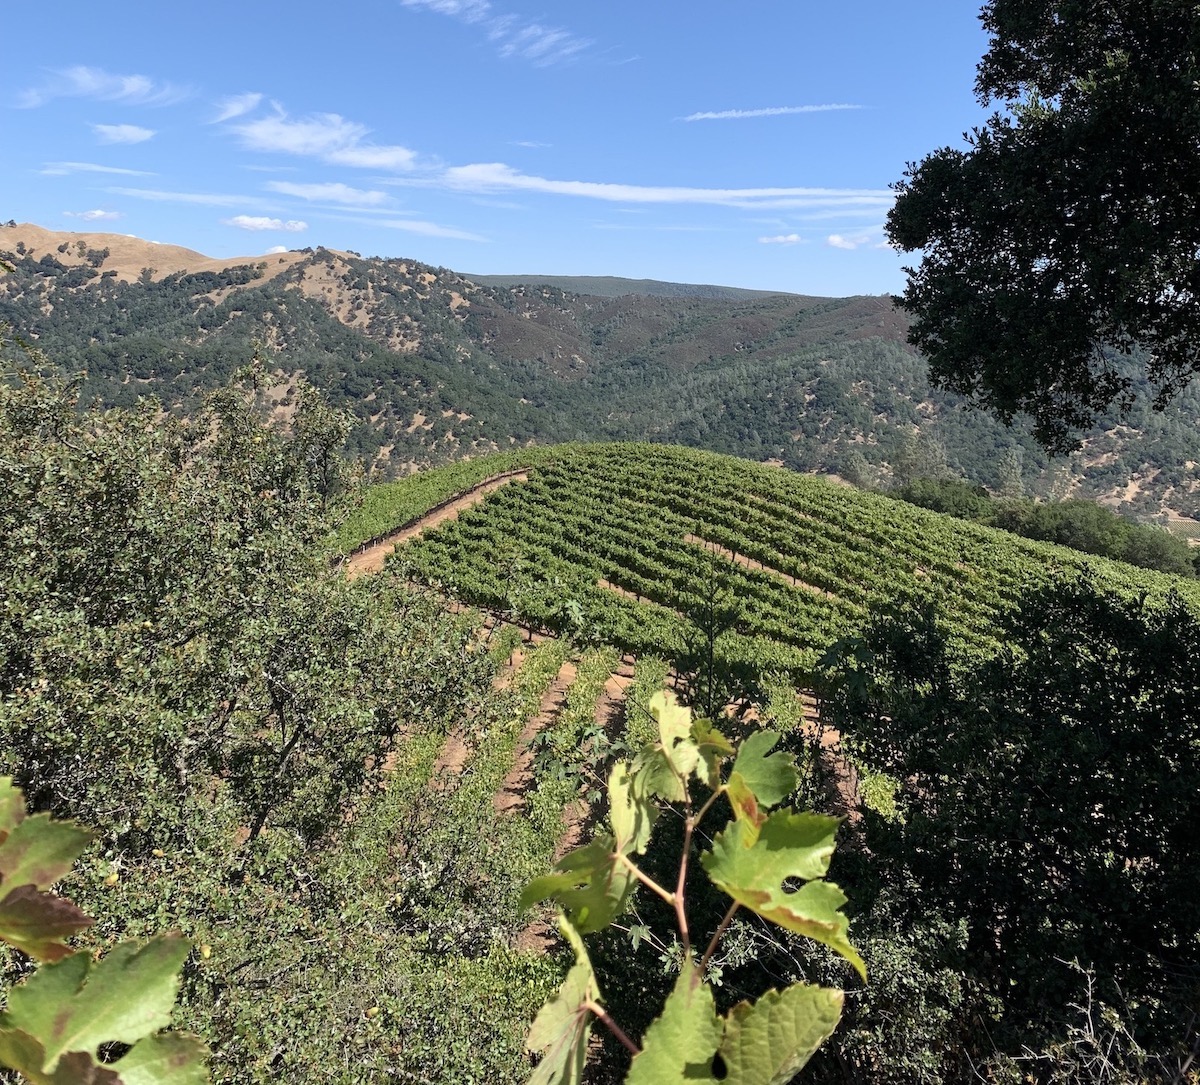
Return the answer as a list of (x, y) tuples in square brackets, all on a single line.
[(1067, 233)]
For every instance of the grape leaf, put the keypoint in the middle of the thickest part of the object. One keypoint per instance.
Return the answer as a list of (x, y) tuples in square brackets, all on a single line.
[(745, 807), (675, 733), (34, 853), (35, 923), (39, 851), (591, 883), (169, 1058), (680, 1044), (77, 1005), (768, 1041), (632, 816), (12, 807), (21, 1052), (753, 870), (653, 774), (714, 748), (772, 778), (561, 1030)]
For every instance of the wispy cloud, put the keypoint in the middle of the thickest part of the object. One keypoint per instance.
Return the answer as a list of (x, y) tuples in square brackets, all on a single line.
[(470, 11), (498, 177), (540, 45), (204, 199), (93, 216), (429, 229), (262, 222), (85, 82), (530, 143), (782, 239), (512, 36), (871, 236), (773, 111), (275, 250), (332, 192), (419, 227), (328, 136), (122, 133), (236, 105), (373, 157), (61, 169)]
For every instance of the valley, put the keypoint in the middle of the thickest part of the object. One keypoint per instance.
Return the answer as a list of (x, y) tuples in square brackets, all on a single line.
[(434, 366)]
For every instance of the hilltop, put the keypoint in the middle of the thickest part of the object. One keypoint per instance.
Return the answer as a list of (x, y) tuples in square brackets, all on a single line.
[(435, 365), (624, 540)]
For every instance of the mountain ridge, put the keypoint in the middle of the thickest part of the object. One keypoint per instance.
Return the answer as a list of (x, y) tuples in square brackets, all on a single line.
[(435, 366)]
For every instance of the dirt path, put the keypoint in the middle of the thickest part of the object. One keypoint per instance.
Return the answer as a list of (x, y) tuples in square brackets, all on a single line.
[(752, 563), (372, 558), (511, 796), (539, 936)]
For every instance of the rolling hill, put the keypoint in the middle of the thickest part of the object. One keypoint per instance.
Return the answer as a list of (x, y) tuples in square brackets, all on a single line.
[(632, 543), (435, 366)]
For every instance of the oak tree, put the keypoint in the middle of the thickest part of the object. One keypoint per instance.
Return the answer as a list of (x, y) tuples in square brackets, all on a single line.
[(1066, 234)]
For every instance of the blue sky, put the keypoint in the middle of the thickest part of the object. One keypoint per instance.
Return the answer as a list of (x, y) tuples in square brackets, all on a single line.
[(745, 144)]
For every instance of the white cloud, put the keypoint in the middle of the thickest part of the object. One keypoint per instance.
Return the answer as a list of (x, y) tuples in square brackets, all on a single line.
[(841, 241), (204, 199), (275, 250), (541, 45), (782, 239), (93, 216), (497, 177), (328, 136), (428, 229), (470, 11), (61, 169), (261, 222), (334, 192), (122, 133), (530, 143), (236, 105), (775, 111), (373, 157), (84, 82), (317, 134)]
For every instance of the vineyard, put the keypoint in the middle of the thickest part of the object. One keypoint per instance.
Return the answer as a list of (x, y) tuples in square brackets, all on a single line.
[(647, 547)]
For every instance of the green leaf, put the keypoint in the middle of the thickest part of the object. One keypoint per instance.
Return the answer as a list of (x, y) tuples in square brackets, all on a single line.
[(745, 806), (680, 1044), (561, 1030), (21, 1052), (12, 806), (170, 1058), (39, 851), (675, 733), (77, 1005), (632, 816), (752, 869), (768, 1041), (591, 883), (36, 923), (653, 774), (772, 778), (34, 853), (714, 748)]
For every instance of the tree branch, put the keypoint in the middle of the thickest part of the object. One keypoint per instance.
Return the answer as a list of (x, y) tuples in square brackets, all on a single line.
[(602, 1014)]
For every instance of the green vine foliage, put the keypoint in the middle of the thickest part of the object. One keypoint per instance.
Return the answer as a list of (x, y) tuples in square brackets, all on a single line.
[(769, 859), (58, 1019)]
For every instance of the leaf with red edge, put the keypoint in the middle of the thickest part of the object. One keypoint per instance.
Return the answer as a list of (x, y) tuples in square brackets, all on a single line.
[(36, 923), (40, 851)]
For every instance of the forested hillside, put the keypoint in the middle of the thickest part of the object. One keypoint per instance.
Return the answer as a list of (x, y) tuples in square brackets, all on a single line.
[(336, 788), (435, 367)]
